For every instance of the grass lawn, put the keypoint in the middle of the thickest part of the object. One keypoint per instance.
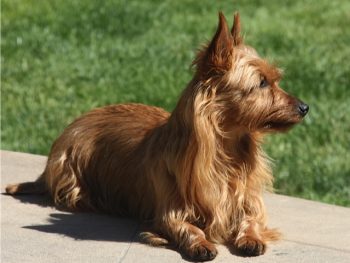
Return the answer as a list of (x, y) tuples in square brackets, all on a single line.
[(62, 58)]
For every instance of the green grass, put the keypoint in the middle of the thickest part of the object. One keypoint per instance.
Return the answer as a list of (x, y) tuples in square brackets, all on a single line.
[(62, 58)]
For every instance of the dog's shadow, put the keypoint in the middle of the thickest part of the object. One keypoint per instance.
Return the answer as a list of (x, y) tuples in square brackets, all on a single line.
[(84, 226), (87, 226), (91, 226)]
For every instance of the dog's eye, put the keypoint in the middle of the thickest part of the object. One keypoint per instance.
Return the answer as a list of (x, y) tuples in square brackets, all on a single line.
[(264, 83)]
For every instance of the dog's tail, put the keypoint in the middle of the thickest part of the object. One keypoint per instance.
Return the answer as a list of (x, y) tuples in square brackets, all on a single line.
[(37, 187)]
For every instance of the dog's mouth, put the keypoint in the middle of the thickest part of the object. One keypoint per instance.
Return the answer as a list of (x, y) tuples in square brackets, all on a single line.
[(283, 122), (278, 125)]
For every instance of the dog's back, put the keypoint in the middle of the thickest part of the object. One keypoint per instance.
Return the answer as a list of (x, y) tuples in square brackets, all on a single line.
[(95, 163)]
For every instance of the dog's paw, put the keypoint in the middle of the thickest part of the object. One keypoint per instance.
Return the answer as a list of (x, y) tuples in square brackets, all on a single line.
[(202, 251), (251, 247)]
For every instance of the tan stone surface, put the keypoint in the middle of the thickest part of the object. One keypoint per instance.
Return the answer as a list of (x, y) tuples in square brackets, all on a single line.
[(33, 231)]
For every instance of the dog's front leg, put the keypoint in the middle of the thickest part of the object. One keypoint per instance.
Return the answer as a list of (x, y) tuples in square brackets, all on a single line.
[(249, 240), (190, 240), (253, 234)]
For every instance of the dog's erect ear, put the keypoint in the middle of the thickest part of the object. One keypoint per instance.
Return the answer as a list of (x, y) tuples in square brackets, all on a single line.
[(219, 52), (236, 30)]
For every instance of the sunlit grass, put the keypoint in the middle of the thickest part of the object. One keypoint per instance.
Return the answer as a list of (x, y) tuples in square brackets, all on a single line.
[(62, 58)]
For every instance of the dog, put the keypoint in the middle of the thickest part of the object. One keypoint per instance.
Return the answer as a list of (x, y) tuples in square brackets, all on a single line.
[(196, 174)]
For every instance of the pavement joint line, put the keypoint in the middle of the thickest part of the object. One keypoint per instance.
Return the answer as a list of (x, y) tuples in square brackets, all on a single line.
[(319, 246), (132, 240)]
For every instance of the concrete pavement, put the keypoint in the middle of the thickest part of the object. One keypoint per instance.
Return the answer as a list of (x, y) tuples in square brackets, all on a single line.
[(33, 231)]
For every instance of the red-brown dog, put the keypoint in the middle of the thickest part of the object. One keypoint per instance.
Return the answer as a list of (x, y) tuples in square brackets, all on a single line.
[(198, 173)]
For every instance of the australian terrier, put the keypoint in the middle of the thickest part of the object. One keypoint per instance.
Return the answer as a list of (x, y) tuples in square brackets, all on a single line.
[(197, 174)]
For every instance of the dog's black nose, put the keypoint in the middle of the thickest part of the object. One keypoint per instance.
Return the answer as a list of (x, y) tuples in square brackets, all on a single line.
[(303, 108)]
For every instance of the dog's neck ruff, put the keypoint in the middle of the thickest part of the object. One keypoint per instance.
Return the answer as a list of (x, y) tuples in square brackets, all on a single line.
[(213, 166)]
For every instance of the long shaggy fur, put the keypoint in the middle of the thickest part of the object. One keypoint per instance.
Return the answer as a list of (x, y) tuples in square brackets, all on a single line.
[(198, 173)]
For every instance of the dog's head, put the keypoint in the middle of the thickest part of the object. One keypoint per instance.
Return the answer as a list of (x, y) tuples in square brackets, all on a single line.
[(248, 84)]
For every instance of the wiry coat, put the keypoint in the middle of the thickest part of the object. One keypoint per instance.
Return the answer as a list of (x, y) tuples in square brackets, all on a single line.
[(198, 173)]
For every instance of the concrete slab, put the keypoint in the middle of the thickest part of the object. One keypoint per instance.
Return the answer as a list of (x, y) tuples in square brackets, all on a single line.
[(33, 231)]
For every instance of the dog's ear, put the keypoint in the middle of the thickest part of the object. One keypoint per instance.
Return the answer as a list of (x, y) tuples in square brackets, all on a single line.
[(236, 30), (219, 51)]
